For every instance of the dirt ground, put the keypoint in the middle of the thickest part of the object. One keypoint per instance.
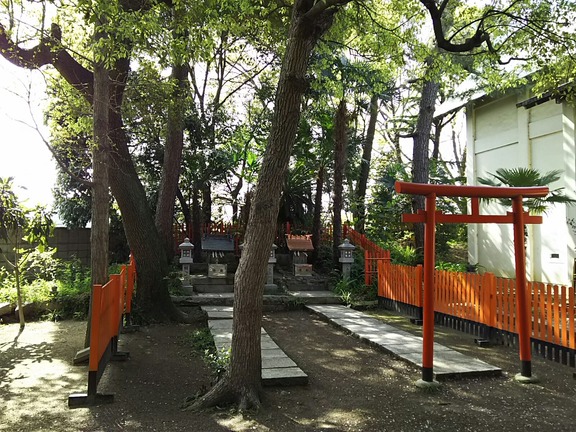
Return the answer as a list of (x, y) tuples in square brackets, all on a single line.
[(352, 386)]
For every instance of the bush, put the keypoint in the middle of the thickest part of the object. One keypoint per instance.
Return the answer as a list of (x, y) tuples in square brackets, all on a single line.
[(353, 291), (64, 286)]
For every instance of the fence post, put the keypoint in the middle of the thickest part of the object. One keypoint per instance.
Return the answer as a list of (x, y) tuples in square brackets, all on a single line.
[(131, 276), (366, 267), (488, 309), (419, 287)]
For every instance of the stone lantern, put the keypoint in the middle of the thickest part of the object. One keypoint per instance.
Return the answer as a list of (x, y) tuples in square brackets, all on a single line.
[(271, 262), (186, 249), (346, 257)]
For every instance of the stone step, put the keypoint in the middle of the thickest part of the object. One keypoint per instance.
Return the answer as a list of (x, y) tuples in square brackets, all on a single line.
[(303, 285), (271, 301), (316, 297), (214, 288), (203, 279)]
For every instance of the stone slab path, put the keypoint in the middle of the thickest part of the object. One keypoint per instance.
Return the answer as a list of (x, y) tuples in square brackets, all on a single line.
[(277, 367), (448, 363)]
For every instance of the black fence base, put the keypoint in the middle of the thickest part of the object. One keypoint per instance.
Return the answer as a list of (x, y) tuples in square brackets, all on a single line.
[(482, 343), (120, 356), (83, 400)]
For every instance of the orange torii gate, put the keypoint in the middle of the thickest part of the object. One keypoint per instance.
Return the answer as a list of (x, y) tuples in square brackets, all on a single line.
[(430, 217)]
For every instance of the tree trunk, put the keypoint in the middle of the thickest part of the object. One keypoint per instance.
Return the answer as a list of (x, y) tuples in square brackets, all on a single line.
[(420, 159), (197, 223), (152, 298), (360, 216), (99, 231), (207, 202), (17, 276), (172, 160), (186, 212), (340, 153), (99, 237), (317, 219), (242, 383)]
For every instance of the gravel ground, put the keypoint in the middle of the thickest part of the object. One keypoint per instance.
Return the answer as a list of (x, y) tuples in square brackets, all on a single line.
[(352, 386)]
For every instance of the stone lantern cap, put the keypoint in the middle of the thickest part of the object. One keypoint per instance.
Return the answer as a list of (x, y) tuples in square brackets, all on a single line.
[(272, 257), (186, 245), (185, 251)]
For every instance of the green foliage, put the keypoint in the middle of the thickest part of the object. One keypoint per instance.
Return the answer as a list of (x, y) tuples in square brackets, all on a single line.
[(528, 177), (402, 254), (175, 283), (352, 291), (218, 362), (63, 285), (200, 340), (202, 343), (452, 267), (72, 278)]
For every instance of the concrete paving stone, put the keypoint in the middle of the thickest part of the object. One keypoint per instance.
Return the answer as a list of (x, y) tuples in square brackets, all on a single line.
[(393, 339), (217, 308), (224, 337), (359, 321), (218, 324), (336, 311), (268, 345), (278, 362), (284, 376), (272, 353), (404, 348), (216, 295), (220, 315)]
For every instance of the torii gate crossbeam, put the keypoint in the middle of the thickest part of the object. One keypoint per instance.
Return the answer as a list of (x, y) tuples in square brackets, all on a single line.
[(430, 217)]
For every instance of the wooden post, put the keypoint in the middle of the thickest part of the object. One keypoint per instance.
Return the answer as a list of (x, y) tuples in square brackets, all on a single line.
[(524, 327), (428, 318)]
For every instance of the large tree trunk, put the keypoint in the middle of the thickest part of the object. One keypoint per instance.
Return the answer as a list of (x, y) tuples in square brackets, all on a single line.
[(152, 297), (207, 202), (242, 383), (99, 232), (317, 218), (360, 216), (172, 160), (421, 159), (340, 153)]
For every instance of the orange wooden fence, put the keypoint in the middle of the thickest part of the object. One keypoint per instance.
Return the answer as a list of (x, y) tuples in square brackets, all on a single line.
[(109, 304), (396, 282), (372, 253), (487, 300)]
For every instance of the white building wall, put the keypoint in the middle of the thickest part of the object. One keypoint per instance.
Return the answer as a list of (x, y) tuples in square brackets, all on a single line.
[(504, 136)]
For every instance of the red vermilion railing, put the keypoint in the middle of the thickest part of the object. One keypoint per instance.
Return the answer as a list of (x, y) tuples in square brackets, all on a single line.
[(372, 253), (109, 304)]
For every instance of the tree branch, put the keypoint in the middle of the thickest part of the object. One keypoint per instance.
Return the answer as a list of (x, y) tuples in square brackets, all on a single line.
[(323, 5), (49, 52), (475, 41)]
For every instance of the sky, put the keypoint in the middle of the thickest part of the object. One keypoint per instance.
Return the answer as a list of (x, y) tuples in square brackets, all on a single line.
[(23, 154)]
